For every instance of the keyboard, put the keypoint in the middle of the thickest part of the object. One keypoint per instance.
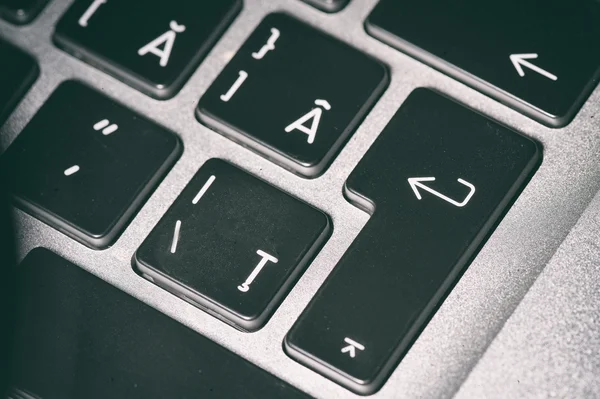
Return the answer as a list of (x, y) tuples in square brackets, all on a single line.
[(297, 198)]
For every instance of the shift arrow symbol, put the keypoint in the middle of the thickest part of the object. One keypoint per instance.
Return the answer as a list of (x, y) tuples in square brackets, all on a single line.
[(519, 61), (352, 347), (416, 183)]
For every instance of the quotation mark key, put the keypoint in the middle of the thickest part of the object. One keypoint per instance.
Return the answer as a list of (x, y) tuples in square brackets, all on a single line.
[(104, 124)]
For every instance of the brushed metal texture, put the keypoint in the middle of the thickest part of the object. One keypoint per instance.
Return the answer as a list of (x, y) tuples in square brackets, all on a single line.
[(463, 328)]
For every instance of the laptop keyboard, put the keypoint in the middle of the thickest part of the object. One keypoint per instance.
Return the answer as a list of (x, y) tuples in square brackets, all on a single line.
[(85, 164), (293, 94), (91, 340), (155, 48), (252, 241), (233, 241), (434, 192), (540, 58), (18, 73)]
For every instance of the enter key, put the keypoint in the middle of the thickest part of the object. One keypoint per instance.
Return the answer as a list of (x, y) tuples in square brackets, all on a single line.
[(436, 182)]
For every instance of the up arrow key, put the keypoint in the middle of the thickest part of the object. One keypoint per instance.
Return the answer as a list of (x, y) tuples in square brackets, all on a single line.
[(352, 347), (519, 61)]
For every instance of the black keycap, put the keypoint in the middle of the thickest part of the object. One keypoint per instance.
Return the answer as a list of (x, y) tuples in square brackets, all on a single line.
[(85, 164), (7, 284), (232, 245), (436, 181), (17, 73), (79, 337), (293, 94), (328, 5), (21, 11), (540, 57), (153, 46)]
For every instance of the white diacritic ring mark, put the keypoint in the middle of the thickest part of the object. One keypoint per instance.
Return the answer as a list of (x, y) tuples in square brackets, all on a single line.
[(175, 236), (203, 190)]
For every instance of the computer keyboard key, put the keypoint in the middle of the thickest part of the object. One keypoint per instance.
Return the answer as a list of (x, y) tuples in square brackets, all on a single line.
[(17, 74), (293, 94), (436, 180), (21, 11), (77, 336), (232, 244), (153, 46), (540, 57), (85, 164), (328, 5)]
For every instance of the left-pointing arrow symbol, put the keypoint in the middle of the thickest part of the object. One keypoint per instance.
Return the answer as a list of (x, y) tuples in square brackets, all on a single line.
[(352, 347), (520, 60), (416, 183)]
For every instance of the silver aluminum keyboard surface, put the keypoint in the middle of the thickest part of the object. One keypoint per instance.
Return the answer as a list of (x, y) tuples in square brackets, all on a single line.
[(490, 338)]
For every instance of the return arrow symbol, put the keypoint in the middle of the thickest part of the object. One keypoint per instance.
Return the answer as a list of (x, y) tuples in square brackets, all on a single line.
[(416, 184)]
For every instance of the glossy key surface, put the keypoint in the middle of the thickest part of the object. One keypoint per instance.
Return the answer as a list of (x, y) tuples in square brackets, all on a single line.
[(85, 164), (153, 46), (436, 181), (17, 73), (79, 337), (293, 94), (21, 11), (232, 245), (328, 5), (540, 57)]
